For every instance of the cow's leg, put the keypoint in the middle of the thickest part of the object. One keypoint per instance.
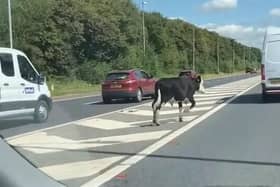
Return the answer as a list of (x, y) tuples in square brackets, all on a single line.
[(180, 103), (156, 116), (187, 107), (172, 101), (192, 102), (201, 88), (156, 107)]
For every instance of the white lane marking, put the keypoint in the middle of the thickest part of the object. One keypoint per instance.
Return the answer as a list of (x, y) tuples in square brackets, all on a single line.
[(215, 94), (109, 174), (69, 123), (106, 124), (166, 112), (94, 102), (210, 98), (79, 169), (223, 92), (42, 143), (201, 103), (100, 115)]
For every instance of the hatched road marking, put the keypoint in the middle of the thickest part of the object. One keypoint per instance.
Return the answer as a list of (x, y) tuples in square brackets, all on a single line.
[(106, 139)]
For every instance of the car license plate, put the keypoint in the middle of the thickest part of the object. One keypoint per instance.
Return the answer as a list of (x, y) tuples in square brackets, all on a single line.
[(116, 86)]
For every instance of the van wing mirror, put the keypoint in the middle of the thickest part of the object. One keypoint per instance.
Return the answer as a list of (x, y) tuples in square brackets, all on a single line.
[(41, 79)]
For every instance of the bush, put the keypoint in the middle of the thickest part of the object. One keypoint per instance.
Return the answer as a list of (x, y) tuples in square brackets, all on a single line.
[(93, 72)]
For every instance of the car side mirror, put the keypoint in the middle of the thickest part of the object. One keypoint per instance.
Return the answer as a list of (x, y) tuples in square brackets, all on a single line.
[(41, 79)]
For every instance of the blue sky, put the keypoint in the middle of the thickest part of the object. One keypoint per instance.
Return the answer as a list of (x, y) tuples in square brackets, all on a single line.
[(244, 20)]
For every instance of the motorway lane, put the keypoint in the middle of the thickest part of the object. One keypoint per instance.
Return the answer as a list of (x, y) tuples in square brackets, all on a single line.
[(90, 148), (70, 110), (238, 146)]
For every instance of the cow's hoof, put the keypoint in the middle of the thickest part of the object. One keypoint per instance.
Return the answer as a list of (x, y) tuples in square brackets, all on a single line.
[(180, 120), (156, 123)]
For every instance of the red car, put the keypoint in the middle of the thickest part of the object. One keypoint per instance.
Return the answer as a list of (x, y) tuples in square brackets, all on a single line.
[(127, 84)]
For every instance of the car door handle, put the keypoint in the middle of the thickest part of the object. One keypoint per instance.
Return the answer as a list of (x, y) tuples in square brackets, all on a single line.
[(22, 84), (6, 84)]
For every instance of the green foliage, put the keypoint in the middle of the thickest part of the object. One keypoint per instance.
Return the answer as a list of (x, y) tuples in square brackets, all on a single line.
[(93, 72), (86, 39)]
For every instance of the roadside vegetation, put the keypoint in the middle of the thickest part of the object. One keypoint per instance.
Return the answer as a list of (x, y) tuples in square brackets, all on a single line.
[(81, 41)]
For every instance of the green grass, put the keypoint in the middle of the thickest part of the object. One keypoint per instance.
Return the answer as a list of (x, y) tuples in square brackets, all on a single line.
[(220, 75), (65, 88), (72, 88)]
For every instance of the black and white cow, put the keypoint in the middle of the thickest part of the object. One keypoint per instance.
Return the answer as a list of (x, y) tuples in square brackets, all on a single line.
[(181, 89)]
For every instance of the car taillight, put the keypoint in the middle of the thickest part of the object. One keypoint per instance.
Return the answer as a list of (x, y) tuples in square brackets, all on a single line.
[(262, 72), (130, 81)]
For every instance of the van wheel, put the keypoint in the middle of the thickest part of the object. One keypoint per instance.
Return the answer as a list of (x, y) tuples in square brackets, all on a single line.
[(41, 112)]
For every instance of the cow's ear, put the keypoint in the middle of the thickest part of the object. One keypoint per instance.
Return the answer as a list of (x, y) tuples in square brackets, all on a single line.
[(198, 79)]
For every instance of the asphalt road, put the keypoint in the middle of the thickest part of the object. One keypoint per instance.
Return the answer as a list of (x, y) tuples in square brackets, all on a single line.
[(71, 110), (123, 149), (236, 147)]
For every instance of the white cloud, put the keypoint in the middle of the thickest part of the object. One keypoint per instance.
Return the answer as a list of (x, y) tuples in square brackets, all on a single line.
[(219, 5), (248, 35), (174, 18), (275, 12)]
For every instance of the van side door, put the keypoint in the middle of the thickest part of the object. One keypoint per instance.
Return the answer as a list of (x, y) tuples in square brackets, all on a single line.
[(28, 81), (10, 89)]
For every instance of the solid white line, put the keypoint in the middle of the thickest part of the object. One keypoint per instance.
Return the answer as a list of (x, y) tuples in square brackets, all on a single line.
[(106, 176)]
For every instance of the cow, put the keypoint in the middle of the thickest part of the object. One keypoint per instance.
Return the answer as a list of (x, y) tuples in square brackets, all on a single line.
[(181, 89)]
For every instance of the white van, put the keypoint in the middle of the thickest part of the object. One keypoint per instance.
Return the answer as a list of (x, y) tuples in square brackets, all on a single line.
[(23, 91), (270, 67)]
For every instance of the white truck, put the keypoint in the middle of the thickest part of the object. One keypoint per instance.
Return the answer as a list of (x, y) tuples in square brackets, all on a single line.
[(270, 67), (23, 91)]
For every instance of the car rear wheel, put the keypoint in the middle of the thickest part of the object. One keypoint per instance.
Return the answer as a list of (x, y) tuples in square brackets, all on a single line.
[(41, 112), (139, 96), (107, 100)]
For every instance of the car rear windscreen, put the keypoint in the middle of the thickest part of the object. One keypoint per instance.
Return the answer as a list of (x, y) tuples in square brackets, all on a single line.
[(273, 51), (117, 76)]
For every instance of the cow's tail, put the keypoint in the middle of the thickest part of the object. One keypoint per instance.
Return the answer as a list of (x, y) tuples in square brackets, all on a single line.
[(157, 99)]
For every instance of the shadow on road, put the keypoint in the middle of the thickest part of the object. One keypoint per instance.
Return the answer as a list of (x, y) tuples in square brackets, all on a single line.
[(11, 123), (217, 160), (256, 99)]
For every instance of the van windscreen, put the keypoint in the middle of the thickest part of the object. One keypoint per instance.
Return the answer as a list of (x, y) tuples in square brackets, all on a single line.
[(273, 51)]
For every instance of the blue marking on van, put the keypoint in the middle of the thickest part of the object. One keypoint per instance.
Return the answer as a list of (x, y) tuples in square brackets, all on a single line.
[(29, 90)]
